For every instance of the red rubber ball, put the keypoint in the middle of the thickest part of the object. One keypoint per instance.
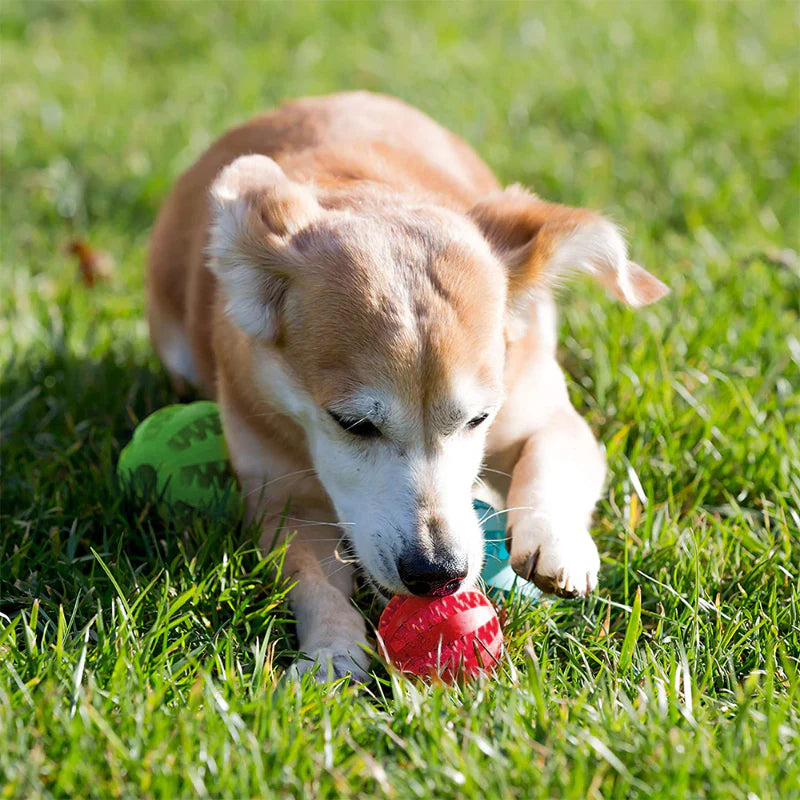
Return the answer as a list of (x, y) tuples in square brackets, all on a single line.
[(457, 635)]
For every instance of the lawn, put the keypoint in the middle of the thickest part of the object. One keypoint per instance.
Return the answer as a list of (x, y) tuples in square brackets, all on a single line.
[(143, 659)]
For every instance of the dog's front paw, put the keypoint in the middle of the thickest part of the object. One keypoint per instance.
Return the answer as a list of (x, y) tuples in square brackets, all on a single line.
[(332, 661), (565, 563)]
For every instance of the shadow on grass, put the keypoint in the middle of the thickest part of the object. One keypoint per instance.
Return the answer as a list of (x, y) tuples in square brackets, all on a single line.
[(63, 424)]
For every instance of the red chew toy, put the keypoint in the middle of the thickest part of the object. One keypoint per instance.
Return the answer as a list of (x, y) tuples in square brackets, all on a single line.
[(445, 636)]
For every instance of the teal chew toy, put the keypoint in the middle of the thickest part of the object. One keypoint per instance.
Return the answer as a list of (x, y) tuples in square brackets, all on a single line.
[(179, 454), (497, 573)]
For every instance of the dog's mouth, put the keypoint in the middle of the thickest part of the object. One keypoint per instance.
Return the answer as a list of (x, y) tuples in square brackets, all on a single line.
[(345, 553), (451, 587)]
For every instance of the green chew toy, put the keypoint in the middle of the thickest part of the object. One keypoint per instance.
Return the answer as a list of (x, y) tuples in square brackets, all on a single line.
[(179, 454)]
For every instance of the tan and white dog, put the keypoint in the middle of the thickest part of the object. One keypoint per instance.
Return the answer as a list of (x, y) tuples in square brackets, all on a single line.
[(373, 313)]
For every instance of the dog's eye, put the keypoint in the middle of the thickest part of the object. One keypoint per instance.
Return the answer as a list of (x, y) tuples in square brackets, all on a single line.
[(475, 421), (362, 428)]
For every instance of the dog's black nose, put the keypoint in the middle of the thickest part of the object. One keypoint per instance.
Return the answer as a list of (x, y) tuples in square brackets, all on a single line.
[(432, 577)]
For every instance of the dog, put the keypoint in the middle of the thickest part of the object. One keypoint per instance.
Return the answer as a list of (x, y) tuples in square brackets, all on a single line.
[(374, 314)]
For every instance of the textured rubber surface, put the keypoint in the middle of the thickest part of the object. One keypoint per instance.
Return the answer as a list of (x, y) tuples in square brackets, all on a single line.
[(457, 635), (179, 453)]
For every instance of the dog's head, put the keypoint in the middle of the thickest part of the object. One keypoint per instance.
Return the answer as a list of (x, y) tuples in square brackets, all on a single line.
[(382, 332)]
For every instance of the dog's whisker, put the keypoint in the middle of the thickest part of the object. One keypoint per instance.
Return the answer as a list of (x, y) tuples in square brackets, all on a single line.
[(316, 540), (331, 560), (500, 511), (283, 517), (262, 486), (496, 471), (341, 568), (290, 528), (290, 474)]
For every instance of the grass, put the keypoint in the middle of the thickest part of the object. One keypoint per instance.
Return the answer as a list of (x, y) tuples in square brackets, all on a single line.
[(141, 659)]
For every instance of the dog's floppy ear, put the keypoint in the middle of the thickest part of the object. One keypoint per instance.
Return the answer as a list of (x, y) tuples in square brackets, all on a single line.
[(256, 210), (541, 242)]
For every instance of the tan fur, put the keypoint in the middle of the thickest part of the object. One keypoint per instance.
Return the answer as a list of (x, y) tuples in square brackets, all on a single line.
[(384, 253)]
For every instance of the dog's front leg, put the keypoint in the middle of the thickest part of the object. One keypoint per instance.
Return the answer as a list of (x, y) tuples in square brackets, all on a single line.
[(554, 487), (331, 632)]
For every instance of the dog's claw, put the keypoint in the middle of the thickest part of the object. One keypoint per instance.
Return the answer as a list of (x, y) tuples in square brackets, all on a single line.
[(573, 580)]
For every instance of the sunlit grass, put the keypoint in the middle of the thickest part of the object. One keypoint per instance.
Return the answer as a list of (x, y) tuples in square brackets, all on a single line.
[(139, 658)]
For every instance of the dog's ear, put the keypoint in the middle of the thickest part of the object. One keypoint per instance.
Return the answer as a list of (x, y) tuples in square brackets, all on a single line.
[(256, 210), (542, 242)]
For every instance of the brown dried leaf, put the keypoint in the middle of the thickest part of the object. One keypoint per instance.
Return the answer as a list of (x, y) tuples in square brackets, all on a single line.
[(93, 265)]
